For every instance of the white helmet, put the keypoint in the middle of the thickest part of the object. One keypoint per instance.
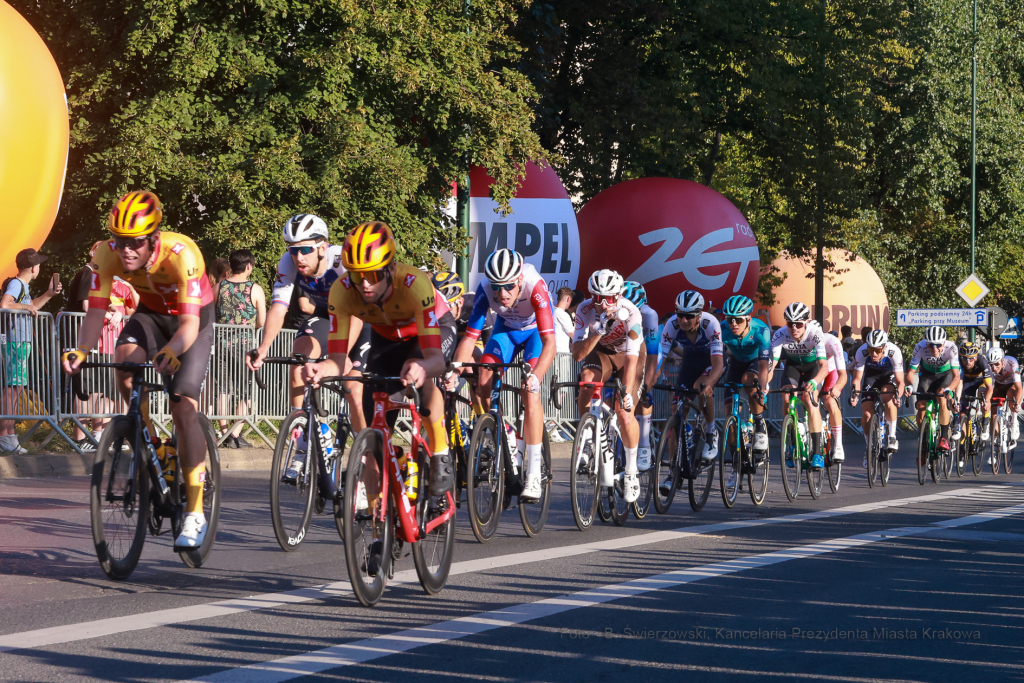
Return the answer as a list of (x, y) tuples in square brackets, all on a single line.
[(877, 339), (503, 266), (605, 283), (797, 312), (935, 335), (305, 226), (689, 301), (994, 355)]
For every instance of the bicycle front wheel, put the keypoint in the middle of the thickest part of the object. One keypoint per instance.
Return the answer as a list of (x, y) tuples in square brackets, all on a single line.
[(485, 483), (119, 500), (732, 463), (336, 467), (291, 502), (618, 507), (789, 458), (703, 472), (583, 473), (666, 465), (534, 515), (211, 497), (369, 533), (814, 478), (432, 554), (924, 436), (874, 449)]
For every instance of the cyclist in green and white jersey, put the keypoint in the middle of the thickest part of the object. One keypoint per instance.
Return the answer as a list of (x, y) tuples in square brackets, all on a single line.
[(937, 363), (804, 350)]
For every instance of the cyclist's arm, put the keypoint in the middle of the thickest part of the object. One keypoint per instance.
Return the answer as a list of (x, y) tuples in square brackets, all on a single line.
[(582, 344), (271, 328), (822, 373), (651, 368), (89, 333), (717, 366), (185, 336), (763, 370), (901, 382)]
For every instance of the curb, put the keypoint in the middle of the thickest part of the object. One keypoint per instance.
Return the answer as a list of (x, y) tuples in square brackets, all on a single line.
[(75, 465)]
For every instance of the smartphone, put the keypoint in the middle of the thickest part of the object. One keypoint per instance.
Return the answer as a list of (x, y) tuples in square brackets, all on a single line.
[(55, 281)]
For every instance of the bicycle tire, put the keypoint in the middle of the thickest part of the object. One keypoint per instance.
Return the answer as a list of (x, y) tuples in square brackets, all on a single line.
[(368, 585), (619, 507), (789, 451), (732, 463), (814, 478), (835, 476), (583, 489), (485, 481), (874, 449), (291, 505), (960, 456), (699, 485), (119, 547), (757, 480), (432, 554), (923, 439), (833, 469), (337, 473), (642, 505), (666, 465), (535, 515), (949, 456), (981, 449), (211, 498)]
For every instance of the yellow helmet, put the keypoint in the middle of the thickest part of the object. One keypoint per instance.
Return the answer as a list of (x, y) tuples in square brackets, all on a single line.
[(370, 246), (449, 284), (136, 214)]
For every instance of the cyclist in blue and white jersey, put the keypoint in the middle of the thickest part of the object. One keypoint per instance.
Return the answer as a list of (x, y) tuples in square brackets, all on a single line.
[(803, 349), (635, 292), (878, 364), (748, 343), (939, 364)]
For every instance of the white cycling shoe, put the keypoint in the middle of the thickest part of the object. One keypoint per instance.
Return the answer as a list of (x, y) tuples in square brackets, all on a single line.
[(362, 504), (643, 459), (760, 441), (711, 447), (893, 444), (295, 469), (731, 482), (838, 455), (630, 487), (531, 492), (193, 532)]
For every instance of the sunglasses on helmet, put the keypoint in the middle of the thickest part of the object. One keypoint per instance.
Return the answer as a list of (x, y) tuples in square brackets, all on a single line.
[(133, 243), (305, 251)]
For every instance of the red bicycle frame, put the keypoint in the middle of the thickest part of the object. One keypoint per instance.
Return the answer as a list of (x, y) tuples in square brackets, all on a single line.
[(382, 404)]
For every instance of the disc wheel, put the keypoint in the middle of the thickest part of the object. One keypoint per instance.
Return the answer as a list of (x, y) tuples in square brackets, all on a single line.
[(485, 483), (291, 504), (583, 473), (118, 500), (369, 535), (432, 554), (732, 463), (534, 515), (789, 458), (211, 497), (667, 461)]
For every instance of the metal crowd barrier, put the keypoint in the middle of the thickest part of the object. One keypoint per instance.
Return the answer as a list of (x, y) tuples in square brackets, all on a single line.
[(29, 371)]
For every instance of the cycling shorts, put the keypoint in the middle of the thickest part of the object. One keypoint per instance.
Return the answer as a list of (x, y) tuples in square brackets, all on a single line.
[(151, 331), (934, 382), (999, 391), (879, 380), (693, 368), (798, 374), (318, 327), (503, 344), (606, 363), (738, 368), (830, 380)]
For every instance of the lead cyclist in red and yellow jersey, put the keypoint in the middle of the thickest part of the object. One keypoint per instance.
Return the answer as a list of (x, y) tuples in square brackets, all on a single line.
[(173, 326)]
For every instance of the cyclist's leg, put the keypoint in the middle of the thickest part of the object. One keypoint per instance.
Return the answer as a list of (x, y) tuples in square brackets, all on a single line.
[(359, 348), (628, 425), (890, 402), (800, 375), (139, 341), (311, 341), (533, 412), (835, 415), (596, 368), (500, 348)]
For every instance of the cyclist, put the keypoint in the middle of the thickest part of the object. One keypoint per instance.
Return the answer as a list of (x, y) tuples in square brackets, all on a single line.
[(1006, 377), (635, 292), (697, 337), (408, 324), (878, 364), (518, 295), (833, 388), (939, 365), (806, 365), (173, 326), (609, 341), (313, 265), (975, 380), (748, 342)]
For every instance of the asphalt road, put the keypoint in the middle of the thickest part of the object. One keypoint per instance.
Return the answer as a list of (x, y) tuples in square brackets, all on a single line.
[(906, 583)]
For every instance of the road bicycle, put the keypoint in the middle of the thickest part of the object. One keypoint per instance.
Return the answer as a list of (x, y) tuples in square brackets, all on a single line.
[(321, 477), (381, 510), (795, 450), (738, 457), (458, 439), (971, 445), (493, 474), (1001, 439), (930, 458), (878, 455), (681, 459), (833, 468), (133, 488)]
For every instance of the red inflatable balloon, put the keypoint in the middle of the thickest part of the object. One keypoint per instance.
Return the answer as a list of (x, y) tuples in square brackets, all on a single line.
[(670, 235)]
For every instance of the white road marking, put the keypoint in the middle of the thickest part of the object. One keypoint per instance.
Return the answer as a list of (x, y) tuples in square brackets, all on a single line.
[(362, 651), (57, 635)]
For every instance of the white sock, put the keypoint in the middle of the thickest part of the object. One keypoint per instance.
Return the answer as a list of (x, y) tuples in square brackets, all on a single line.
[(891, 428), (837, 435), (97, 434), (711, 428), (534, 453), (645, 430), (631, 460)]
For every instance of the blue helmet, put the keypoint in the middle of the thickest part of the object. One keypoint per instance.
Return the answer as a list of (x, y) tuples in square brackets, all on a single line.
[(738, 306), (635, 292)]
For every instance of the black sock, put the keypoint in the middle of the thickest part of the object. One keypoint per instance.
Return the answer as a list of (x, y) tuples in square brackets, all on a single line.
[(815, 443), (760, 426), (943, 431)]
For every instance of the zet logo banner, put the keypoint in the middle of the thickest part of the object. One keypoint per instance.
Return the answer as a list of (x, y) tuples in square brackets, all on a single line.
[(542, 227)]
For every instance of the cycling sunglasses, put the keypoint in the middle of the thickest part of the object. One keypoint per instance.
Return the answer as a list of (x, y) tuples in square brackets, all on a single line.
[(508, 288), (687, 316), (935, 346), (371, 276), (133, 243), (305, 251), (611, 298), (795, 324), (736, 319)]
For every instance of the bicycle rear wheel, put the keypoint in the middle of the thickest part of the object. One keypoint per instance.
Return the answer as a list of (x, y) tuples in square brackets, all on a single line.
[(666, 466), (369, 535), (534, 515), (583, 473), (924, 434), (703, 471), (432, 554), (874, 449), (789, 458), (211, 497), (757, 478), (833, 469), (814, 478), (732, 463), (336, 467), (485, 483), (291, 505), (118, 500)]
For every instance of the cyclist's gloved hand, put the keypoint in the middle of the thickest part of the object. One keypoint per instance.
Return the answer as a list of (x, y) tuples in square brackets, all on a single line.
[(648, 399), (532, 383), (74, 357), (812, 386), (627, 402), (167, 357)]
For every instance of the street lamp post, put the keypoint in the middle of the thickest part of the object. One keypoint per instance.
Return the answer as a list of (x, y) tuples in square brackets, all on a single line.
[(974, 138)]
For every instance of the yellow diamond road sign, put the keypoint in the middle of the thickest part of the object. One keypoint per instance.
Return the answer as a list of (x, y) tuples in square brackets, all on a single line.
[(972, 290)]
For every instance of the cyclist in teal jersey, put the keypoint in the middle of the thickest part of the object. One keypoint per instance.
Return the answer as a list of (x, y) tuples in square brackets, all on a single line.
[(748, 343)]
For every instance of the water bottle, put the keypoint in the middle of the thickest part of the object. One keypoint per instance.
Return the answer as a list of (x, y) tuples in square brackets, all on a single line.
[(167, 453), (688, 434), (607, 471), (513, 446), (326, 442), (747, 430), (802, 428), (154, 460)]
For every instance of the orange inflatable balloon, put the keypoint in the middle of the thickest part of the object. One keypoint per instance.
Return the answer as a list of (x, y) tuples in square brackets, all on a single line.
[(33, 138)]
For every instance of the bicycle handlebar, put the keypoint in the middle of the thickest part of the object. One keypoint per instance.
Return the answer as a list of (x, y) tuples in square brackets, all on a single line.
[(380, 379), (134, 368), (615, 384), (790, 389)]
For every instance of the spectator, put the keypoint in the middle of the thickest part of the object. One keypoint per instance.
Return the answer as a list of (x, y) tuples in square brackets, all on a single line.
[(564, 327), (850, 345), (864, 332), (218, 271), (19, 338), (240, 301)]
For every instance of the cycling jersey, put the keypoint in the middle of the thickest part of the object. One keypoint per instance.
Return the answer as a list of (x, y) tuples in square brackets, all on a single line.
[(809, 350), (531, 310), (981, 370), (174, 284), (707, 343), (948, 359), (413, 310), (1010, 374), (890, 362), (316, 289), (649, 325), (755, 345), (623, 336), (834, 354)]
